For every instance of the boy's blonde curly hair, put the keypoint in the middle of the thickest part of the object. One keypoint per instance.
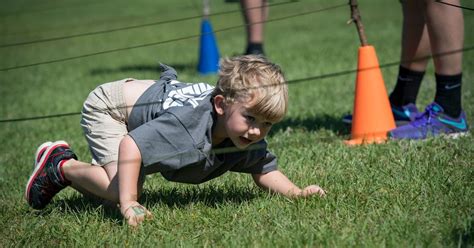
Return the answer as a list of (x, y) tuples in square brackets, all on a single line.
[(243, 78)]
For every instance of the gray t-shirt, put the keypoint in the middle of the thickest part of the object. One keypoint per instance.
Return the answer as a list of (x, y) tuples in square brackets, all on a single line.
[(171, 123)]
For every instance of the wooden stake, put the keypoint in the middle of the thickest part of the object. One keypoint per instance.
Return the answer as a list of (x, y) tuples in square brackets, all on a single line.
[(206, 9), (355, 17)]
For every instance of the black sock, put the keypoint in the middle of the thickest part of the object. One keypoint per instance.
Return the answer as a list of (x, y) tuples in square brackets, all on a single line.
[(254, 48), (448, 93), (406, 89)]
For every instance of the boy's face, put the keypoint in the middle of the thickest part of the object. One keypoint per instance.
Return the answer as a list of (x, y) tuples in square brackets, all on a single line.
[(243, 126)]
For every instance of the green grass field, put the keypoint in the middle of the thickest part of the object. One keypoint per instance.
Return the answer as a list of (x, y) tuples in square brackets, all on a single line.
[(395, 194)]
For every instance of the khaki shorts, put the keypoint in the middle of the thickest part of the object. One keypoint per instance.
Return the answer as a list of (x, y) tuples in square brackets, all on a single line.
[(104, 121)]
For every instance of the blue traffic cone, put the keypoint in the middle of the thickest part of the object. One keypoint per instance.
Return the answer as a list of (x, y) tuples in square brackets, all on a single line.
[(208, 51)]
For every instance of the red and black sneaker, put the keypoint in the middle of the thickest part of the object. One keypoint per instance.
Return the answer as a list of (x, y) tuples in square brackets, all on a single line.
[(47, 179)]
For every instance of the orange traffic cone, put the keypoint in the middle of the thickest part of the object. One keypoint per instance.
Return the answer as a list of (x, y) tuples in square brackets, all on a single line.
[(372, 116)]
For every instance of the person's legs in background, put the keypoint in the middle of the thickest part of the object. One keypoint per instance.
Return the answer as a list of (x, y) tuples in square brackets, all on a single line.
[(443, 34), (415, 51), (446, 32), (255, 14)]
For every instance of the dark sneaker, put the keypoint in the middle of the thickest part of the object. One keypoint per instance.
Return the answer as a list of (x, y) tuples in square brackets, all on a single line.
[(433, 122), (47, 180), (402, 115), (254, 52)]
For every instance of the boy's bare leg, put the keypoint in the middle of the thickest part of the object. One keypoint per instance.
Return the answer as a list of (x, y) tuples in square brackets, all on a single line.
[(96, 180)]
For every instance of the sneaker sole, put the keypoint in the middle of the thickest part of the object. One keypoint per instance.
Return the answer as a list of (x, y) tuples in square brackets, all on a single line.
[(457, 135), (397, 123), (40, 164), (349, 122), (40, 151), (444, 135)]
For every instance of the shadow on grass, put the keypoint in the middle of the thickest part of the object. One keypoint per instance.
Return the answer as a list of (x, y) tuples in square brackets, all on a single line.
[(315, 123), (173, 198), (79, 205), (142, 68), (208, 196), (464, 237)]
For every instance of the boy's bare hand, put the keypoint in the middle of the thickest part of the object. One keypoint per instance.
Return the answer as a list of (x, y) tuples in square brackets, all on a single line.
[(135, 214), (313, 190)]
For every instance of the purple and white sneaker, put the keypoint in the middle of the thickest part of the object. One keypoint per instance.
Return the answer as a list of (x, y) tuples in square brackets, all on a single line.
[(402, 115), (432, 123)]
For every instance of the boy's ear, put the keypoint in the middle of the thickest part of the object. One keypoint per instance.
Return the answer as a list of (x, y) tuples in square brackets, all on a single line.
[(219, 104)]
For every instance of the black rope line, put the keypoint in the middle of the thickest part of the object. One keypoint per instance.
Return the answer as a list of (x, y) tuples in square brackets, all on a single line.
[(256, 146), (47, 8), (132, 27), (454, 5), (231, 149), (216, 151), (294, 81), (168, 41)]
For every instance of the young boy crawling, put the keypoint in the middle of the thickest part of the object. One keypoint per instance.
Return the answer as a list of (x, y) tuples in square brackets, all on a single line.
[(139, 127)]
